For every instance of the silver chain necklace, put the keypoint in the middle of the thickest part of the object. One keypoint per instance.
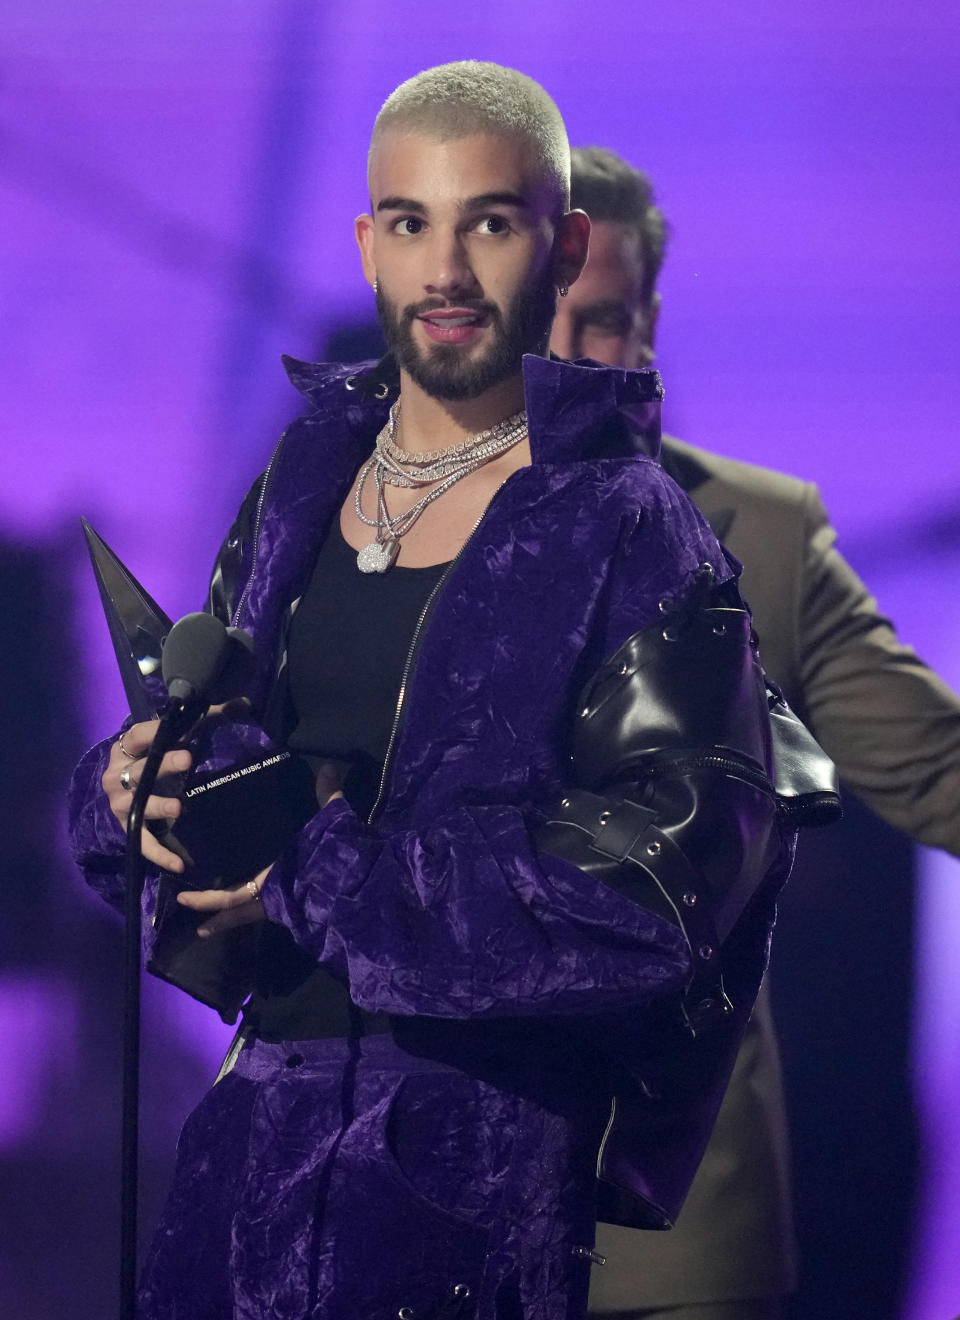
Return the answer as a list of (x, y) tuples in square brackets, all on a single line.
[(393, 466)]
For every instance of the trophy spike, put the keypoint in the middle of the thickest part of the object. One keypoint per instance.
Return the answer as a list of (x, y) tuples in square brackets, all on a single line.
[(138, 626)]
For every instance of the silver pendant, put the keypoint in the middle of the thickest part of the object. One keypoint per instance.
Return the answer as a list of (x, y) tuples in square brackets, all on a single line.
[(378, 556)]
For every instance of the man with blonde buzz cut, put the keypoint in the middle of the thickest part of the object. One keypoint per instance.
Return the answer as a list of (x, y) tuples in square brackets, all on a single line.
[(473, 954)]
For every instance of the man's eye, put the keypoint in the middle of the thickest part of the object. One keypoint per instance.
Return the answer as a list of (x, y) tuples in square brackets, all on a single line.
[(409, 224), (492, 224)]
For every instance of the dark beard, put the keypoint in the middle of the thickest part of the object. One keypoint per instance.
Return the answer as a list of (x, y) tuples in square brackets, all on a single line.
[(443, 371)]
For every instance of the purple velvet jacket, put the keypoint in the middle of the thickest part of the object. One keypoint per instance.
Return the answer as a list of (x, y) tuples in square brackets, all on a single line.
[(442, 907)]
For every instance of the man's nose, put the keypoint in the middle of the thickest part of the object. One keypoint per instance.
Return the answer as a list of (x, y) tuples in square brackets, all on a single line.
[(450, 273)]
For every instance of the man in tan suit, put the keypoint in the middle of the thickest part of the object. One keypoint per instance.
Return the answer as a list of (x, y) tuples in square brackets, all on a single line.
[(890, 724)]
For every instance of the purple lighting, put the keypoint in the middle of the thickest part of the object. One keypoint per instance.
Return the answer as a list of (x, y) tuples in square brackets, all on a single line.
[(38, 1024), (936, 1286), (177, 190)]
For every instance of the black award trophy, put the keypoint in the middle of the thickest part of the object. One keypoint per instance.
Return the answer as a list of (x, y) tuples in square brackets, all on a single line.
[(243, 800)]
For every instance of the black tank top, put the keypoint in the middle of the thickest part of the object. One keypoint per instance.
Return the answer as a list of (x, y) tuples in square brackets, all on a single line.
[(348, 646)]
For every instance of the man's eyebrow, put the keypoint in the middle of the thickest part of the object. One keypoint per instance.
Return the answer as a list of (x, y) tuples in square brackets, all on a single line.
[(496, 199), (401, 204), (602, 307), (477, 203)]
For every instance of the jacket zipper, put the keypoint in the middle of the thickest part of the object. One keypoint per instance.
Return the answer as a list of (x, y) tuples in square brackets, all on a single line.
[(411, 654), (711, 761), (606, 1134), (241, 604)]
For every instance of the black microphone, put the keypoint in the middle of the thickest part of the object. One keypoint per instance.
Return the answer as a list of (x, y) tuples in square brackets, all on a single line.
[(203, 661), (193, 655)]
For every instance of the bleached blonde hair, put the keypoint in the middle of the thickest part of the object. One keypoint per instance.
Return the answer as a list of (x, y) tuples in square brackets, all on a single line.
[(469, 96)]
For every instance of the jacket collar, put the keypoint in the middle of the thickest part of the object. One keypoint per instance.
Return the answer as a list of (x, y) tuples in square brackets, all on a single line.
[(575, 410)]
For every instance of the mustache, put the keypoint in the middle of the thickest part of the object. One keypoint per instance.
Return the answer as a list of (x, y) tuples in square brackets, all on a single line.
[(481, 306)]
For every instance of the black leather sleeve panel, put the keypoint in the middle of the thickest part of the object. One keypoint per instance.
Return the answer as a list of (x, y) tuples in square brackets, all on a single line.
[(673, 800)]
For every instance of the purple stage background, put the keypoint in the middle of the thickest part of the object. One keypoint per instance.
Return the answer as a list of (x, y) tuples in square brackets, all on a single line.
[(177, 186)]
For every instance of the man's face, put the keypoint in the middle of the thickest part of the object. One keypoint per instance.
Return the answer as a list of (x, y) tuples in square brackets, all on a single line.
[(462, 243), (605, 315)]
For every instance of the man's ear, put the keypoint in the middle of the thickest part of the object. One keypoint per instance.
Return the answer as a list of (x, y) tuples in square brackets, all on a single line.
[(571, 245), (363, 230)]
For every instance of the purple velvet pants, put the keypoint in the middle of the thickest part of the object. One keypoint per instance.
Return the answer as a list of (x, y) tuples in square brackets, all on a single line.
[(353, 1180)]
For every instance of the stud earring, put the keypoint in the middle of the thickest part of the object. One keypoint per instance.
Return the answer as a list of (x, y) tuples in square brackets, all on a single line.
[(563, 289), (376, 286)]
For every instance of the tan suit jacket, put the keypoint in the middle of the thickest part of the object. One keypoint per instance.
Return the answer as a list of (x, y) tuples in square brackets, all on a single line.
[(893, 729)]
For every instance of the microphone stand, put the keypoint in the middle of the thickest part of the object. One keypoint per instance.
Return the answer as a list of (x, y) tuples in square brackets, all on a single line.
[(175, 720)]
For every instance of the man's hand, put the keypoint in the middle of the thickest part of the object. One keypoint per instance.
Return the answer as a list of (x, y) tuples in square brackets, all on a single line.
[(129, 758), (239, 906)]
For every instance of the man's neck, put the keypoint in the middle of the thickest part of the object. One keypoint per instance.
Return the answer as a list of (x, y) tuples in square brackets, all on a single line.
[(428, 423)]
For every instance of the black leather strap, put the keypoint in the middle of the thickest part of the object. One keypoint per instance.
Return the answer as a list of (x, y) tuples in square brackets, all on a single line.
[(625, 831)]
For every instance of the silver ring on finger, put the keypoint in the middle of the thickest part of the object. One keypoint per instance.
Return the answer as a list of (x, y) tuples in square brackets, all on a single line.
[(254, 891), (123, 749), (127, 780)]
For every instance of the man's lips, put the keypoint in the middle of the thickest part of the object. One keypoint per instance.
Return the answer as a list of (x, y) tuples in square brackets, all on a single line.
[(452, 325)]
